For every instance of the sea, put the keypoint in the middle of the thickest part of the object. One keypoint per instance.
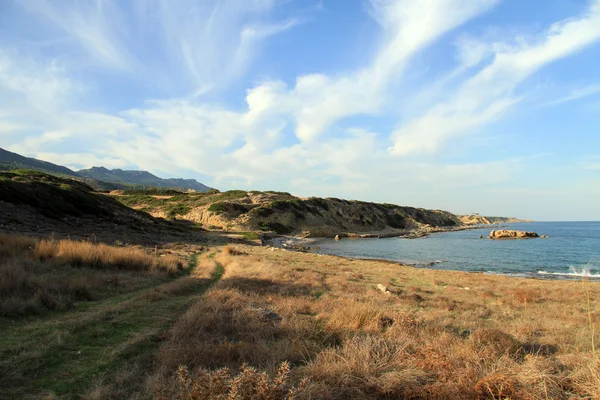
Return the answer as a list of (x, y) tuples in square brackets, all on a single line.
[(571, 250)]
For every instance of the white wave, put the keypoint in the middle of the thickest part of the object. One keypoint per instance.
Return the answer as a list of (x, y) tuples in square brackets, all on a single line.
[(573, 271)]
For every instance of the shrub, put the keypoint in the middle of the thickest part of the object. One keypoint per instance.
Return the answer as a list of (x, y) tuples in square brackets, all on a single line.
[(276, 227), (251, 235), (153, 191), (232, 210), (178, 209)]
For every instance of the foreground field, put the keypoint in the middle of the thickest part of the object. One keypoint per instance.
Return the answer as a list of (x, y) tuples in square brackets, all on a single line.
[(253, 322)]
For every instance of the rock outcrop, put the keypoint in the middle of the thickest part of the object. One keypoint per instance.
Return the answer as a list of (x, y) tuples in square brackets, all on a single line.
[(508, 234)]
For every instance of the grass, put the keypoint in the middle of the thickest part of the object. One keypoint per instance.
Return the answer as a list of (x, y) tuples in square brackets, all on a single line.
[(252, 322), (38, 275), (438, 334), (100, 349)]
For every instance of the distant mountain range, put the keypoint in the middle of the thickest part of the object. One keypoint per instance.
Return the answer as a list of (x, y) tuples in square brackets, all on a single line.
[(99, 178), (143, 178)]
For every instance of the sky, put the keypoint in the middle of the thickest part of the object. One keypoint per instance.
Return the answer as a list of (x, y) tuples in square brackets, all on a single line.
[(487, 106)]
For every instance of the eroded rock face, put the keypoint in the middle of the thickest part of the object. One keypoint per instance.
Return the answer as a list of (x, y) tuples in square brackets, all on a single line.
[(508, 234)]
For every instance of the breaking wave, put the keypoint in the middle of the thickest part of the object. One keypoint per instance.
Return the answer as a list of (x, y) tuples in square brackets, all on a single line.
[(583, 272)]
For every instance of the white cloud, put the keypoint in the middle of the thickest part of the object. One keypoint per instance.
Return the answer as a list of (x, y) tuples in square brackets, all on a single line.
[(487, 95), (576, 94), (316, 101)]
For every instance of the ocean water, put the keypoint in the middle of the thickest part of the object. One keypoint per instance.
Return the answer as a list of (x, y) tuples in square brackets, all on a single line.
[(571, 250)]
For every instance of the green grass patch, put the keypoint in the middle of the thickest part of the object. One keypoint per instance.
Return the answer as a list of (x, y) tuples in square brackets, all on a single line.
[(251, 235)]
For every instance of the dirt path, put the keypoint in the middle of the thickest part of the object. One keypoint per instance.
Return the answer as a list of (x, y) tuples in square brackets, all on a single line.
[(62, 354)]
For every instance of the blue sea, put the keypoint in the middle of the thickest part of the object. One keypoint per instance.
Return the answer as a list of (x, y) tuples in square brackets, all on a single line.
[(570, 251)]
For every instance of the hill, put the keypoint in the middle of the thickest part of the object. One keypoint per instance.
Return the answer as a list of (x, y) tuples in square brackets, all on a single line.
[(37, 203), (286, 214), (481, 220), (140, 178), (10, 161)]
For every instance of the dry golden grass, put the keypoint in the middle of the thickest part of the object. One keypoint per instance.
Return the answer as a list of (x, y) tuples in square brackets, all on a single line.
[(436, 335), (52, 274), (103, 256)]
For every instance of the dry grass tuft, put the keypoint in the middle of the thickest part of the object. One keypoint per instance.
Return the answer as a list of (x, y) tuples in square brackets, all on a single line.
[(248, 384), (527, 296), (494, 342), (231, 251), (496, 386)]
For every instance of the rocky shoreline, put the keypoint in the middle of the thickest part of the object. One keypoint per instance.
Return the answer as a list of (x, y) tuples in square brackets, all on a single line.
[(303, 243)]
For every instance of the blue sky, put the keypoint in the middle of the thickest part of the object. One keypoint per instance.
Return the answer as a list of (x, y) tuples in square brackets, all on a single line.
[(489, 106)]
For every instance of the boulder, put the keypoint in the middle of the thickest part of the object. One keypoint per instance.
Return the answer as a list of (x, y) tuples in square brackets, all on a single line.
[(508, 234), (383, 289), (337, 237)]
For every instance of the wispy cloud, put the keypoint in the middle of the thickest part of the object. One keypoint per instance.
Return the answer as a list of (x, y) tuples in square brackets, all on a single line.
[(166, 44), (486, 96), (95, 26), (575, 94)]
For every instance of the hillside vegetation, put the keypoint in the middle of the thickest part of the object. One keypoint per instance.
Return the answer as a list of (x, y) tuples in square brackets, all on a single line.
[(285, 214)]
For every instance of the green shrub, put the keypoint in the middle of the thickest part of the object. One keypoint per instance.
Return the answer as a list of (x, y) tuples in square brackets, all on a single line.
[(178, 209), (276, 227), (251, 235), (232, 210), (230, 195), (153, 191)]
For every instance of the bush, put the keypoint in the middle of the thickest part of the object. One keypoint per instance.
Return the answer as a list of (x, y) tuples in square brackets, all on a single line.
[(232, 210), (251, 235), (276, 227), (178, 209), (153, 191)]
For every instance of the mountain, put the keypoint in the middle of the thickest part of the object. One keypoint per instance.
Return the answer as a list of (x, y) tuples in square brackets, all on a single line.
[(140, 178), (98, 178), (10, 161)]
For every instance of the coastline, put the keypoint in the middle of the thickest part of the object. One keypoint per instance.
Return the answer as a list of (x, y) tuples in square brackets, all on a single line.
[(304, 244)]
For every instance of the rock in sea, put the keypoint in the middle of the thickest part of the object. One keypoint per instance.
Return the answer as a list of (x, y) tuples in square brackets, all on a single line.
[(507, 234)]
